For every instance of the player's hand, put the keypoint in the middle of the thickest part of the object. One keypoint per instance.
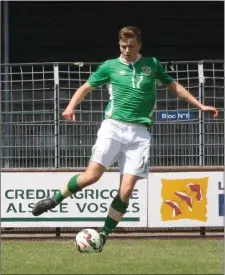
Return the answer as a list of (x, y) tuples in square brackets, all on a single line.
[(68, 114), (211, 109)]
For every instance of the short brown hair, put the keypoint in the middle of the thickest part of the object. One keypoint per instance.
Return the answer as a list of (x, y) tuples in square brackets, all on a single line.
[(130, 32)]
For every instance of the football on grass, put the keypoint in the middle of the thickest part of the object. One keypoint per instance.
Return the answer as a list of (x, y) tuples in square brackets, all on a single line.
[(88, 240)]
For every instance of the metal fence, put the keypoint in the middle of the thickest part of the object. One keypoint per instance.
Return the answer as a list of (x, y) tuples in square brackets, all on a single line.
[(33, 134)]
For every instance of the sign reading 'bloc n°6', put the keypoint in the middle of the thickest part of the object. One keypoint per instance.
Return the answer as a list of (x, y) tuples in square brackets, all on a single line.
[(175, 115)]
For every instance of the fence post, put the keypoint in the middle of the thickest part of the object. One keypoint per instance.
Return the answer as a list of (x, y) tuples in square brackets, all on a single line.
[(202, 231), (201, 80), (56, 113), (5, 118), (57, 231)]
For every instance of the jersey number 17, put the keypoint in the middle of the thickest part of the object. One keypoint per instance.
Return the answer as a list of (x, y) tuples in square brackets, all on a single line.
[(136, 84)]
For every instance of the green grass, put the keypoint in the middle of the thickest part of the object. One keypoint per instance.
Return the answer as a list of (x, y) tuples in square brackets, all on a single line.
[(118, 257)]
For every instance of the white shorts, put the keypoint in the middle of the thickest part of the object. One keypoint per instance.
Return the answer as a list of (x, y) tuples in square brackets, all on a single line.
[(127, 143)]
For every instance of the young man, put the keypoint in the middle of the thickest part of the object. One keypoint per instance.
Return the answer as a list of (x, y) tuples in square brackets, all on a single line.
[(123, 135)]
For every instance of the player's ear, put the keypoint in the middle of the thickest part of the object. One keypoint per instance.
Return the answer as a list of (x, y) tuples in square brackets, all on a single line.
[(140, 46)]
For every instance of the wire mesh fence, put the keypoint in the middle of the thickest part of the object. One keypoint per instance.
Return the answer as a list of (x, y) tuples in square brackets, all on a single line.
[(33, 134)]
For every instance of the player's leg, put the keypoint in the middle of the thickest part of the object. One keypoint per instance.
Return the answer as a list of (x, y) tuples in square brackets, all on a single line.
[(104, 153), (74, 185), (119, 205), (134, 164)]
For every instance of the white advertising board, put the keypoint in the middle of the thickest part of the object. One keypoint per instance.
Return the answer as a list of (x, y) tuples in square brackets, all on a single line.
[(186, 199), (89, 207)]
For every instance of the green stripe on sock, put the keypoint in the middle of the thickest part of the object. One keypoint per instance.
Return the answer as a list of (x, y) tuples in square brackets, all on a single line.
[(58, 197), (110, 224), (72, 186), (119, 205)]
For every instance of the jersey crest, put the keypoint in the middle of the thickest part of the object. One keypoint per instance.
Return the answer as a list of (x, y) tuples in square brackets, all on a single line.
[(147, 70)]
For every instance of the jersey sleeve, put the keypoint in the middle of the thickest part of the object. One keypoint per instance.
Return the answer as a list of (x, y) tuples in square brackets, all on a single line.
[(100, 76), (162, 75)]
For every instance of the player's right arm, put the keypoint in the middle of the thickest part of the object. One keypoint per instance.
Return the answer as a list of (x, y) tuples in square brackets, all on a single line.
[(77, 98), (98, 78)]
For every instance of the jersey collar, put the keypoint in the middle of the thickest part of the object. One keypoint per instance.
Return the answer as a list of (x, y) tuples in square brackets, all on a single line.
[(128, 63)]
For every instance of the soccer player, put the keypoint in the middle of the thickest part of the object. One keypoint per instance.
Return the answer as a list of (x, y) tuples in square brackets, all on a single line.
[(123, 134)]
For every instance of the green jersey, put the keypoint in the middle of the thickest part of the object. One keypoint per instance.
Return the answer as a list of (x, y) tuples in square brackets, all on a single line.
[(132, 87)]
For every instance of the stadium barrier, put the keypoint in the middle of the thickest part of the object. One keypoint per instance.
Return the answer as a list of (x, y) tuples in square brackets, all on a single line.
[(168, 201)]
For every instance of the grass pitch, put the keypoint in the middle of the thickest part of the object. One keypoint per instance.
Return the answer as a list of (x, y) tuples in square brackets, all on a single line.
[(118, 257)]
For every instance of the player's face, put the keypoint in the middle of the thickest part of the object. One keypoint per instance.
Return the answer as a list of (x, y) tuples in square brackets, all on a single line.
[(129, 49)]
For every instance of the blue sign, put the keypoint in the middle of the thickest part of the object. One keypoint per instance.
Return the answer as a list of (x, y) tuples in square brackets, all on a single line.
[(175, 115), (221, 204)]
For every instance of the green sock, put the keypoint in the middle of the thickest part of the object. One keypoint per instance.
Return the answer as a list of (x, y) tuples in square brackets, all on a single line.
[(116, 212), (71, 188)]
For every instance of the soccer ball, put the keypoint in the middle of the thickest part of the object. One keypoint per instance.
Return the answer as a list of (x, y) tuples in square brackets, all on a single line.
[(88, 240)]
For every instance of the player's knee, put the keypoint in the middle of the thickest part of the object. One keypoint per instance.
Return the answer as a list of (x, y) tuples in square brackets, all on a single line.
[(92, 177), (93, 174)]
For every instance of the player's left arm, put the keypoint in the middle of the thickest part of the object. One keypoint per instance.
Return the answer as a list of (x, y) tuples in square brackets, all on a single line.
[(181, 92)]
